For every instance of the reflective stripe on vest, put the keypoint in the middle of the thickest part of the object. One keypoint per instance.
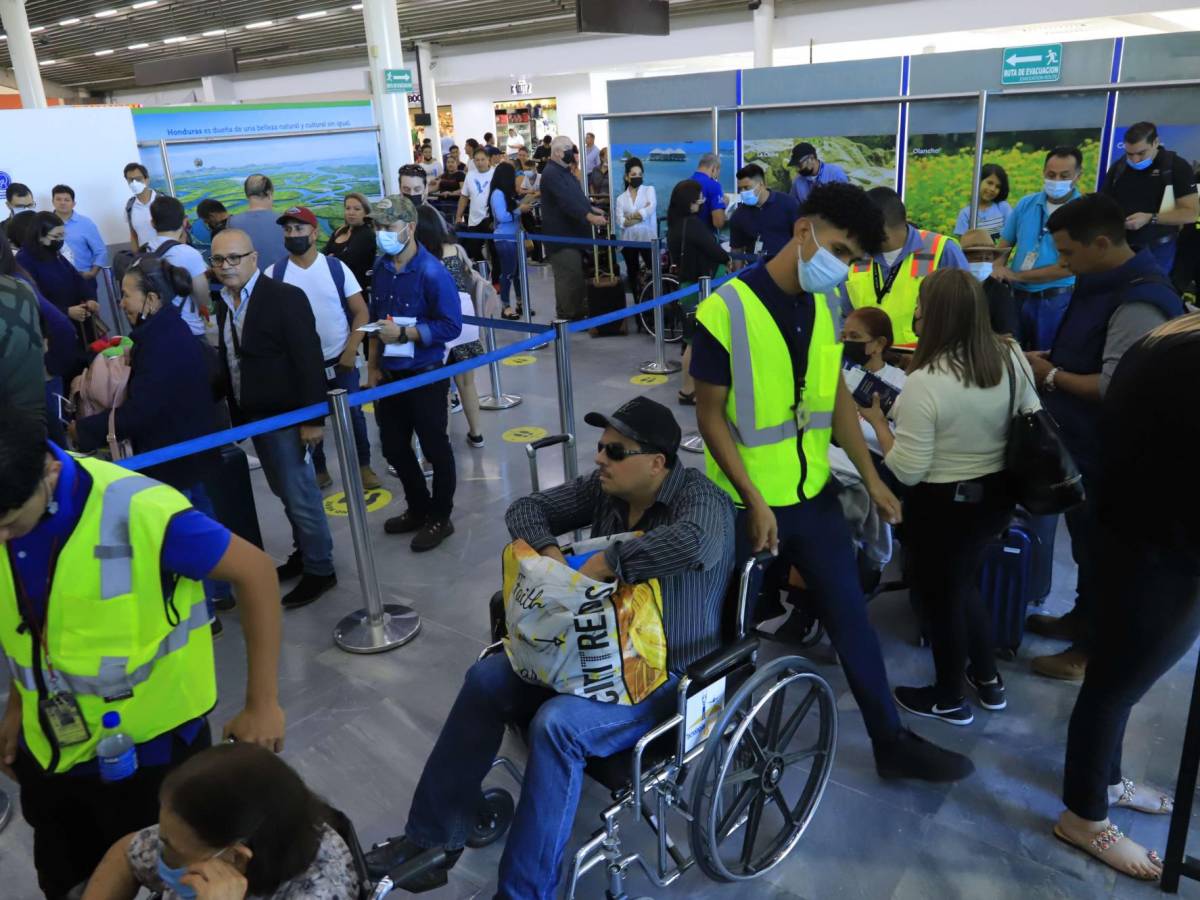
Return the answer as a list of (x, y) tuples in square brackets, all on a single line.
[(112, 680), (114, 551), (924, 260), (748, 434)]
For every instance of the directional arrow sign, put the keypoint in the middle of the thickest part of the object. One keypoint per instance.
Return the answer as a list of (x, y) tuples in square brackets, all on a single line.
[(1030, 65)]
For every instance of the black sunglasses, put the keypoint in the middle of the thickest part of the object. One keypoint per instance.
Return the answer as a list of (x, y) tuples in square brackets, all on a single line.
[(618, 452)]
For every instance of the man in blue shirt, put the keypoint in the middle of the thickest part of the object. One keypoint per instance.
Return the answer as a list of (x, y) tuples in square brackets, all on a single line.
[(1041, 282), (708, 174), (810, 171), (762, 223), (415, 303), (84, 248)]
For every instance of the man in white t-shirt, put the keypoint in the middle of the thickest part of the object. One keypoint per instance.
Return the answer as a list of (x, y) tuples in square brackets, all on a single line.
[(339, 311), (137, 208), (170, 221), (476, 190)]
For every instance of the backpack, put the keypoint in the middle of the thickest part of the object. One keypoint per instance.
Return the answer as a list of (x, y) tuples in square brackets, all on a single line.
[(486, 300), (1165, 174), (124, 259), (103, 386), (336, 271)]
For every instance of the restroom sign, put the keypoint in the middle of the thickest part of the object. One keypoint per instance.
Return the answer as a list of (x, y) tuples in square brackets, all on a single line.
[(1032, 65)]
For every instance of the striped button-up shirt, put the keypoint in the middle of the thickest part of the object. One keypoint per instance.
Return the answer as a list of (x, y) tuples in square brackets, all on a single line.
[(687, 545)]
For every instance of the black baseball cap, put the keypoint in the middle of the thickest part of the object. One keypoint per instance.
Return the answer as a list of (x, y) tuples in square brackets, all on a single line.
[(641, 419), (801, 151)]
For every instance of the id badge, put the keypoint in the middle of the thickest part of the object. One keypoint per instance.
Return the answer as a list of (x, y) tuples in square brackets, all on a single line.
[(66, 721), (330, 373), (1029, 261), (802, 416)]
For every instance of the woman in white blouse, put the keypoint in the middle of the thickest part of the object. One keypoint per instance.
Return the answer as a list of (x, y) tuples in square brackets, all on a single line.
[(952, 423), (636, 215)]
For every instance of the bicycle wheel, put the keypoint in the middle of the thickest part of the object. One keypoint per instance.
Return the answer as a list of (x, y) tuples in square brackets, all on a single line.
[(672, 314)]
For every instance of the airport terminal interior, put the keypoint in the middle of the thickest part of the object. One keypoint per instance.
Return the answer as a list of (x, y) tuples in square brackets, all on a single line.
[(840, 160)]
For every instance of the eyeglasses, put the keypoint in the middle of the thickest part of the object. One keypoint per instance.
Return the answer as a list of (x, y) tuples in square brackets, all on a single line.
[(618, 452), (232, 260)]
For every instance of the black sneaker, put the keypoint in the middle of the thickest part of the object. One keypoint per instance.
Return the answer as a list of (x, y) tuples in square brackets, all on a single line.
[(309, 589), (405, 523), (227, 603), (433, 533), (474, 440), (923, 701), (293, 568), (217, 627), (384, 858), (911, 756), (990, 693)]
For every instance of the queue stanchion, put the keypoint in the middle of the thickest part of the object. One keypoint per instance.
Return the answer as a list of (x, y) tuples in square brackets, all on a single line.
[(378, 626), (497, 399), (693, 442), (660, 365), (566, 403), (523, 285)]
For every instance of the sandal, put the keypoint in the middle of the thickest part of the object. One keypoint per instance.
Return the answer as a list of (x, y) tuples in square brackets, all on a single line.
[(507, 313), (686, 399), (1166, 804), (1105, 841)]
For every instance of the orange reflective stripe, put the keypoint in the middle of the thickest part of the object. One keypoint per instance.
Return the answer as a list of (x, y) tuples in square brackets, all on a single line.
[(923, 261)]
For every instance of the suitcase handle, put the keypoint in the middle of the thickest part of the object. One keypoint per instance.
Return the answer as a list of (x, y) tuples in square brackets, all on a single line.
[(532, 448)]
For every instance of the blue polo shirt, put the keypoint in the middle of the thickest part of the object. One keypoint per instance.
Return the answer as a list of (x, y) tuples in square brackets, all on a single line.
[(1025, 231), (771, 221), (827, 173), (714, 196), (84, 246), (423, 290), (192, 547)]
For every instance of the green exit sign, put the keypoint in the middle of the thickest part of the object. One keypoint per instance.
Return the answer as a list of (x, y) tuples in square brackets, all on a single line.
[(1031, 65), (397, 81)]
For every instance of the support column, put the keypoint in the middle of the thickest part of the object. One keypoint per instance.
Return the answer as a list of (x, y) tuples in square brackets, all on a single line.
[(217, 89), (391, 110), (429, 102), (764, 38), (22, 53)]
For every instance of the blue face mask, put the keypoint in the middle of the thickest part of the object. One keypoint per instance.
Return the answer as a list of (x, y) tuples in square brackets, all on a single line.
[(172, 878), (1143, 164), (1056, 190), (389, 243), (823, 273), (749, 198)]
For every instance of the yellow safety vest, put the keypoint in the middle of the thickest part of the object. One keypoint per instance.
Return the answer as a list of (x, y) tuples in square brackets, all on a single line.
[(901, 299), (112, 637), (761, 408)]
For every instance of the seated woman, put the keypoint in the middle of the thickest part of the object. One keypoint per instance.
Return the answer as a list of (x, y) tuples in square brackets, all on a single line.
[(866, 335), (234, 821), (993, 206)]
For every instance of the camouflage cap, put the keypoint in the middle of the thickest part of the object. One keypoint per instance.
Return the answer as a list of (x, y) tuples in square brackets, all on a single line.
[(393, 208)]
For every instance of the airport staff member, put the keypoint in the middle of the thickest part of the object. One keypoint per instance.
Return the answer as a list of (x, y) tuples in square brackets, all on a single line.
[(762, 223), (1041, 281), (102, 611), (893, 277), (1156, 188), (811, 171), (767, 361), (708, 176)]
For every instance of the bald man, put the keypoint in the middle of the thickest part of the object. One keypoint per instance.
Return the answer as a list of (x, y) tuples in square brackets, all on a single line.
[(259, 221), (566, 211)]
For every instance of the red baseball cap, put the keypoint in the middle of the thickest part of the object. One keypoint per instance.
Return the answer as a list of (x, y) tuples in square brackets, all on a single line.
[(300, 214)]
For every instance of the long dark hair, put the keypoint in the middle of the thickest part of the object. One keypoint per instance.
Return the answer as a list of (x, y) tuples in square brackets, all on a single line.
[(1001, 176), (683, 195), (8, 260), (431, 230), (504, 180), (43, 223), (243, 793), (956, 330)]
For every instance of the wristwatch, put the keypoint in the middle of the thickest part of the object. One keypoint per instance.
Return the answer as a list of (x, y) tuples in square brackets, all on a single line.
[(403, 339), (1154, 219), (1048, 384)]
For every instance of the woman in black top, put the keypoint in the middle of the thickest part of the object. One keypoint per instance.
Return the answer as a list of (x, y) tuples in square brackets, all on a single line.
[(694, 252), (354, 242)]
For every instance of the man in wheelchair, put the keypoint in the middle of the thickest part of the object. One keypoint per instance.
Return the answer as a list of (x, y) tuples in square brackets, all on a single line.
[(687, 543)]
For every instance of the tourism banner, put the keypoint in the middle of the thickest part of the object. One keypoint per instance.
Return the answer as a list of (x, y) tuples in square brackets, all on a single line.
[(667, 164), (869, 160)]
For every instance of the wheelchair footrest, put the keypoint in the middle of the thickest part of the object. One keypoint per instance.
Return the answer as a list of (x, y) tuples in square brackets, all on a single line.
[(425, 871)]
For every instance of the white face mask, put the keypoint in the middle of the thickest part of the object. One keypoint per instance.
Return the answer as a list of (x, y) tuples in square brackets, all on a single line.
[(823, 273), (136, 187), (981, 270)]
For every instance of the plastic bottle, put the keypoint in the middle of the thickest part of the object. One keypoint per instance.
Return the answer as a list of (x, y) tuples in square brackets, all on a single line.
[(116, 752)]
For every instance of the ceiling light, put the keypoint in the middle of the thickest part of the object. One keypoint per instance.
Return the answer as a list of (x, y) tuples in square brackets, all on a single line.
[(216, 32), (106, 13), (66, 22), (145, 4), (174, 40), (357, 6), (47, 62), (37, 29), (102, 53), (138, 46), (313, 15), (266, 24)]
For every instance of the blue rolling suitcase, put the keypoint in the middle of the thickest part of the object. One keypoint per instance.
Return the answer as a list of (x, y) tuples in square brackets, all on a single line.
[(1005, 578), (1043, 529)]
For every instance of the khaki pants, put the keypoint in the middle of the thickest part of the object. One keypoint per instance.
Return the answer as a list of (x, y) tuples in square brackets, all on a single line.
[(570, 291)]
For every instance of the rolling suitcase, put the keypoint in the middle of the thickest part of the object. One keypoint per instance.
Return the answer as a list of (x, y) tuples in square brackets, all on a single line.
[(1043, 529), (1005, 577), (605, 292), (232, 496)]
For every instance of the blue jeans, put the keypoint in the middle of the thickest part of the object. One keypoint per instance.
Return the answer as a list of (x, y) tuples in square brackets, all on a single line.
[(563, 731), (290, 477), (814, 537), (350, 382), (506, 253), (1164, 255), (213, 590)]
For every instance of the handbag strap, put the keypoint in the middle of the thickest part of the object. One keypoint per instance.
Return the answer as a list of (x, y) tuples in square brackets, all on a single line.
[(1012, 387)]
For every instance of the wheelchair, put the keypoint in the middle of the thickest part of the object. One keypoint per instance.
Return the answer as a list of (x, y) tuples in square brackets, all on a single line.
[(746, 791)]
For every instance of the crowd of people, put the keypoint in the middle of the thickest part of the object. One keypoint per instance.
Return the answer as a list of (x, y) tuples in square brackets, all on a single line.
[(1062, 301)]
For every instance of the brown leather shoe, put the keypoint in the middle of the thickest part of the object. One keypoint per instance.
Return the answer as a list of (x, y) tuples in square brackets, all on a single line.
[(370, 481), (1060, 628), (1070, 665)]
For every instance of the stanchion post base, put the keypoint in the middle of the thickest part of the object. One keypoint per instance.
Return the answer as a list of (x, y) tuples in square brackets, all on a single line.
[(693, 443), (669, 367), (354, 633), (504, 401)]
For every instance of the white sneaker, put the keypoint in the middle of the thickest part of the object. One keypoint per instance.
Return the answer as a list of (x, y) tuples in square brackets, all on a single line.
[(253, 461), (474, 440)]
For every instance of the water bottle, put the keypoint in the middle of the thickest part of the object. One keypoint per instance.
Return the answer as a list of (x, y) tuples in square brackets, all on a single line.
[(116, 751)]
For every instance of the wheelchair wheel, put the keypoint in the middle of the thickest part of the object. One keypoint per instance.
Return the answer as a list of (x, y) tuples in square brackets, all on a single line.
[(672, 313), (763, 771), (495, 814)]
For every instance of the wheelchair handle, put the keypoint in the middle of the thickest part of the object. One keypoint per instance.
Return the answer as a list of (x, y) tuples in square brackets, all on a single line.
[(762, 557)]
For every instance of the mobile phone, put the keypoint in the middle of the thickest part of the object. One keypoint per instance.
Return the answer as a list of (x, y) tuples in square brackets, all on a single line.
[(968, 492)]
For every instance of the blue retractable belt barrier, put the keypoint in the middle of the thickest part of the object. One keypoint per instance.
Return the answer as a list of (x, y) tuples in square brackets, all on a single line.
[(507, 324), (552, 239)]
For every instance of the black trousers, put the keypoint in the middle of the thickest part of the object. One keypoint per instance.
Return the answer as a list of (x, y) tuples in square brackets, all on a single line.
[(422, 412), (75, 819), (1084, 531), (1146, 616), (945, 541), (634, 257)]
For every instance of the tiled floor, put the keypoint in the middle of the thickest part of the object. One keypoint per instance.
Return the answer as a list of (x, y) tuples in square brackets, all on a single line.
[(361, 726)]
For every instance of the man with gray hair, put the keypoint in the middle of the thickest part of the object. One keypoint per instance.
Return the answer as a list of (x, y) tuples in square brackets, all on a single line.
[(259, 221), (708, 174), (566, 211)]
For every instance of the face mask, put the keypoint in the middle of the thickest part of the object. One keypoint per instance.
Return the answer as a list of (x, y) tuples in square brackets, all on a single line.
[(172, 878), (297, 245), (1139, 166), (218, 227), (53, 247), (635, 182), (416, 199), (981, 270), (389, 243), (749, 198), (1056, 190), (823, 272), (136, 187), (855, 352), (19, 210)]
